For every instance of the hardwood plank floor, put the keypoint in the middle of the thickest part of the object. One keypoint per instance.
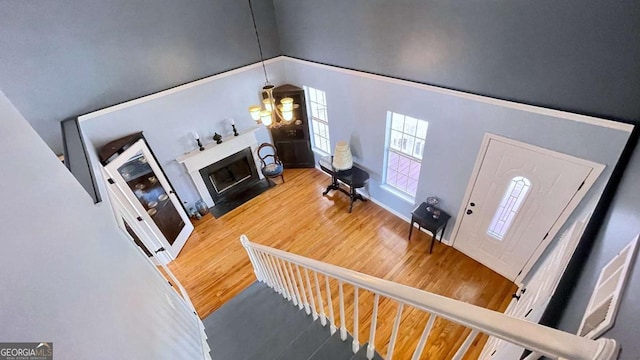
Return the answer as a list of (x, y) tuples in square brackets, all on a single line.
[(295, 217)]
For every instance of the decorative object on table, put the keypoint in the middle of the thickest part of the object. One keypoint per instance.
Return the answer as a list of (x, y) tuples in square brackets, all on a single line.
[(432, 202), (272, 114), (218, 138), (436, 213), (272, 167), (202, 208), (198, 142), (233, 126), (342, 159)]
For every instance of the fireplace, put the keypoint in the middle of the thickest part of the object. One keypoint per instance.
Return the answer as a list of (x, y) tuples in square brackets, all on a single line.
[(230, 175), (213, 171)]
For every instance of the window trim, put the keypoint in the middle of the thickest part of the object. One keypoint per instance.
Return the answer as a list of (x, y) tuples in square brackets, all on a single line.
[(387, 148), (312, 118)]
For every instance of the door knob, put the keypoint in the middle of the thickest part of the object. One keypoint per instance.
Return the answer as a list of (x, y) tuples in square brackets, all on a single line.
[(469, 212), (472, 204)]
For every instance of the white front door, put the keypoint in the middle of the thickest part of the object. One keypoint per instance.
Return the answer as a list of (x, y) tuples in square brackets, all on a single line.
[(518, 195), (142, 185)]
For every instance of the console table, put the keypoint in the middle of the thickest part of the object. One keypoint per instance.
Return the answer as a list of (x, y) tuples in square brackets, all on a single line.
[(425, 219), (353, 178)]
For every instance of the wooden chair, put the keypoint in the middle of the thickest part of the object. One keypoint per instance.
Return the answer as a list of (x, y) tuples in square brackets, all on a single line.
[(272, 167)]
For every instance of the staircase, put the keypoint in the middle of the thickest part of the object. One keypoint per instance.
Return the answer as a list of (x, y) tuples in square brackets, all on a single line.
[(283, 316), (260, 324)]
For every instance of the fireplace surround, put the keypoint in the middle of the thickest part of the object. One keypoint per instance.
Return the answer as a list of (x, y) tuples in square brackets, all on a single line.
[(232, 149)]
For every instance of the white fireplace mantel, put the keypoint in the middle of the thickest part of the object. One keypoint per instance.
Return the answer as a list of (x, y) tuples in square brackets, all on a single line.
[(196, 160)]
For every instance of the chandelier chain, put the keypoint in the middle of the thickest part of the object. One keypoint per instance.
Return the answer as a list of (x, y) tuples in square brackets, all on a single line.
[(255, 27)]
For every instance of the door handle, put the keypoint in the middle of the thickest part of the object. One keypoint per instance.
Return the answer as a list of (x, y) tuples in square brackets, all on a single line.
[(469, 212), (472, 204)]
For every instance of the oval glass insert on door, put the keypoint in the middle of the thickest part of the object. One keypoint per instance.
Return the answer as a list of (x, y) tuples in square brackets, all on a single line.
[(143, 181), (508, 208)]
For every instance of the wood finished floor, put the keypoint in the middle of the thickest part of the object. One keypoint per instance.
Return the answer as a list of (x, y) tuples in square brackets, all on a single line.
[(295, 217)]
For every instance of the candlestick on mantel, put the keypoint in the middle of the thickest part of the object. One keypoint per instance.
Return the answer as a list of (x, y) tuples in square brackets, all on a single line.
[(197, 138), (233, 126)]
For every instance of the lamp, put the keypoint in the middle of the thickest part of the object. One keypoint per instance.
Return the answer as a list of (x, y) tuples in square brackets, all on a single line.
[(273, 114)]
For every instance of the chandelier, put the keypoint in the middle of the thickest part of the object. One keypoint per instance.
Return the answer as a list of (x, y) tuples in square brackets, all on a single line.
[(270, 114)]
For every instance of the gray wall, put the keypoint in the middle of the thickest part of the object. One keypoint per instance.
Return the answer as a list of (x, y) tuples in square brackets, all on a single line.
[(357, 108), (61, 59), (576, 55), (69, 275), (621, 225), (167, 121)]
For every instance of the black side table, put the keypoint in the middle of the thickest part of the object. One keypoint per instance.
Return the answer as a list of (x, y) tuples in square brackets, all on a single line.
[(425, 219), (354, 178)]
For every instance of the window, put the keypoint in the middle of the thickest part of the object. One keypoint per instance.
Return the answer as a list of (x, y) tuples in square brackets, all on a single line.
[(511, 201), (319, 119), (405, 145)]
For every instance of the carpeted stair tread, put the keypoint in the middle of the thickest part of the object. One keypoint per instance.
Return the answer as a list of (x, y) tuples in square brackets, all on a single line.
[(241, 327), (306, 344), (362, 354), (277, 341), (334, 349)]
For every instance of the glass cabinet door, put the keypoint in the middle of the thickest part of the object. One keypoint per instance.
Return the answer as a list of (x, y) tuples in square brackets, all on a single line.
[(138, 177)]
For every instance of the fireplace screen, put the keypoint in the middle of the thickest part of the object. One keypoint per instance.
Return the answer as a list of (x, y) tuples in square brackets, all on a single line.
[(231, 175), (225, 178)]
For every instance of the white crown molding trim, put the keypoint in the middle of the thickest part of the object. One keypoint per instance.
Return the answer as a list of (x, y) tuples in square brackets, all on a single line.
[(176, 89), (484, 99)]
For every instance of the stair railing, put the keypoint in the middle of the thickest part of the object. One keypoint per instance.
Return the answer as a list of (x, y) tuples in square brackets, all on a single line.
[(288, 275)]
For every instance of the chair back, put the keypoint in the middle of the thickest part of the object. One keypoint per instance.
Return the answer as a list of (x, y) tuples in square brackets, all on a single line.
[(268, 154)]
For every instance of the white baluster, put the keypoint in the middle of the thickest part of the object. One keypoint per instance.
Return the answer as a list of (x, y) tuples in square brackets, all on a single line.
[(323, 316), (465, 346), (257, 267), (304, 293), (314, 311), (355, 345), (394, 332), (265, 270), (245, 243), (343, 327), (372, 334), (280, 278), (332, 320), (274, 275), (423, 337), (295, 286), (272, 278), (283, 268)]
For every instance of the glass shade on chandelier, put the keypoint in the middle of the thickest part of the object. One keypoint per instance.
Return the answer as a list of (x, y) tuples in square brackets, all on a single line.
[(269, 112)]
